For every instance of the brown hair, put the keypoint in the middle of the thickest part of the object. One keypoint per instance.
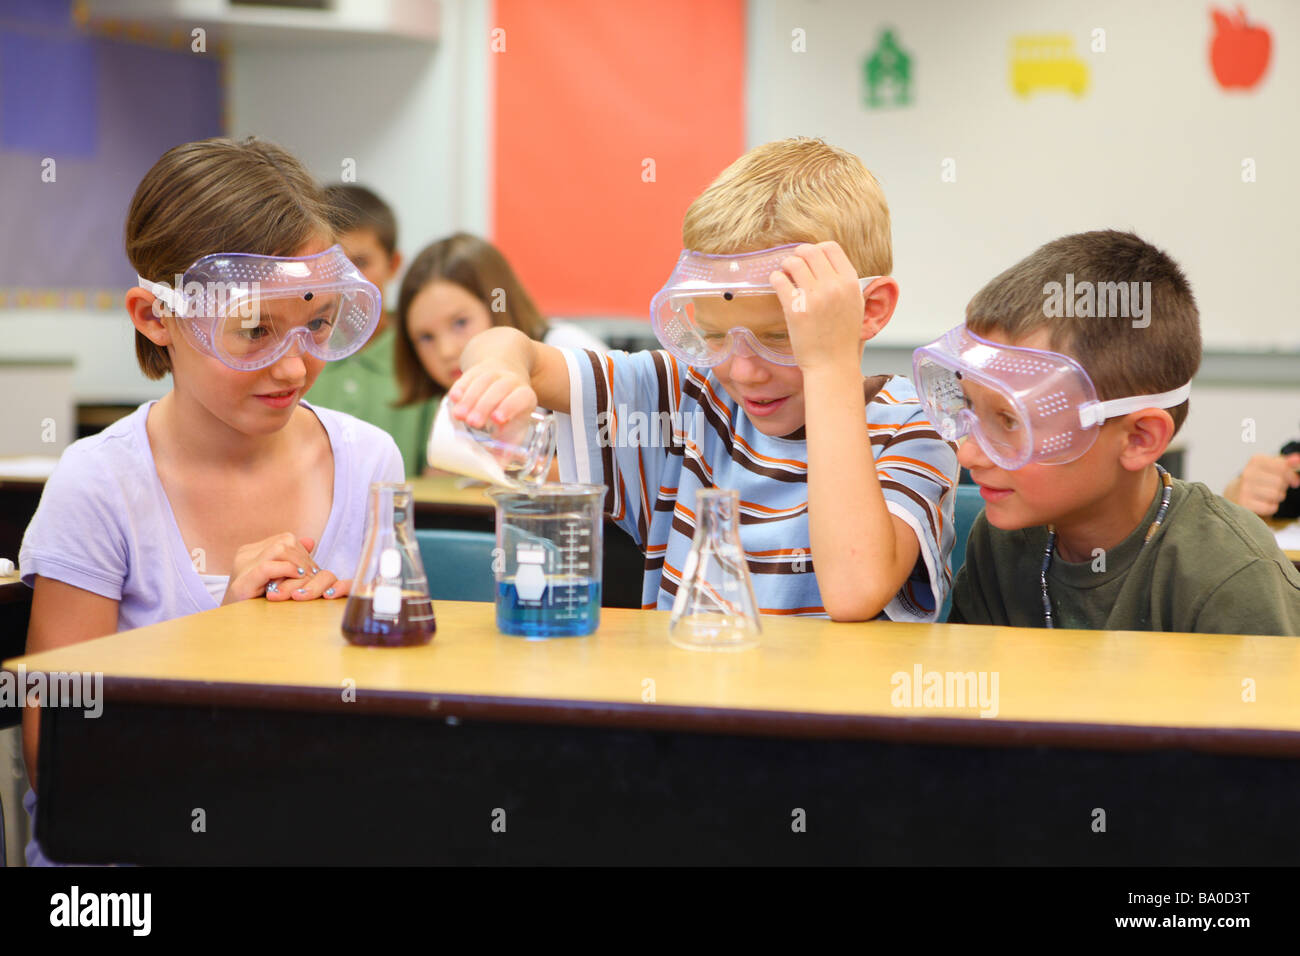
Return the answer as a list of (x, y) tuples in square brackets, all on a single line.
[(356, 207), (480, 269), (218, 195), (794, 190), (1159, 355)]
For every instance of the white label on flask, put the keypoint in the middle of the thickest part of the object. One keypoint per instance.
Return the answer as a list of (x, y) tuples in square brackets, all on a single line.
[(390, 563), (387, 601)]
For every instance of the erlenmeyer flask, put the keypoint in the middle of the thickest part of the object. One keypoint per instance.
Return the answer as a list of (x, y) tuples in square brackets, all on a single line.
[(715, 608), (389, 604)]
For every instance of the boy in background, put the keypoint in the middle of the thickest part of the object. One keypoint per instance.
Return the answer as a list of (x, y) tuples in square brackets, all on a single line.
[(365, 385), (844, 486), (1067, 407)]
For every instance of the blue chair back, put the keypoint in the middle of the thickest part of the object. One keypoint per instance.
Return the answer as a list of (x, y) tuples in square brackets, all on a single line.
[(966, 508), (458, 564)]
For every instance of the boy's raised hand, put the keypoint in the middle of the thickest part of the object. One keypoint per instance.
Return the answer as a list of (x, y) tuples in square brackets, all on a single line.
[(823, 305), (491, 394), (1265, 481)]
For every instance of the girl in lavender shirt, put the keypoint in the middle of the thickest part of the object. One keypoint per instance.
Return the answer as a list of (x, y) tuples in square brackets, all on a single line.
[(230, 487)]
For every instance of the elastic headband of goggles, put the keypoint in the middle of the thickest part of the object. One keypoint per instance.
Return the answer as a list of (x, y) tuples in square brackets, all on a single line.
[(174, 299), (1094, 413)]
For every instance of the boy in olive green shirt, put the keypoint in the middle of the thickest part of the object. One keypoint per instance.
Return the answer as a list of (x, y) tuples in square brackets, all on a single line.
[(365, 384), (1070, 377)]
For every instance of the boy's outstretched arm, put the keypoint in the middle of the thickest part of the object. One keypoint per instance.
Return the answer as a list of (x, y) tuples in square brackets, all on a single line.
[(862, 553), (507, 374)]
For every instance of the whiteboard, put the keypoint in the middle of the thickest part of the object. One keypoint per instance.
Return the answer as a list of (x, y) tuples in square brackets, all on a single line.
[(1154, 145)]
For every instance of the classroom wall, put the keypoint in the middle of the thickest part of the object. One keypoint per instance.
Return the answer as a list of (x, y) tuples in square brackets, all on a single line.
[(414, 118), (418, 122), (1154, 144)]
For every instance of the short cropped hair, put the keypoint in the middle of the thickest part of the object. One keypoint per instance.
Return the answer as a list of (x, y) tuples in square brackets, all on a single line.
[(1122, 354), (218, 195), (355, 207), (480, 269), (794, 190)]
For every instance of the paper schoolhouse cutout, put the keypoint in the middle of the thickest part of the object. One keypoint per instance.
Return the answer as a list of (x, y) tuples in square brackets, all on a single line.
[(887, 74)]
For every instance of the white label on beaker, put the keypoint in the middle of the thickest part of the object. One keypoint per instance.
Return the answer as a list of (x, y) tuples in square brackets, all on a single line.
[(530, 579)]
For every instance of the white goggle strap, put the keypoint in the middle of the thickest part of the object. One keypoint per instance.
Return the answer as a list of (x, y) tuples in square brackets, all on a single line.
[(1095, 413), (674, 300), (169, 296)]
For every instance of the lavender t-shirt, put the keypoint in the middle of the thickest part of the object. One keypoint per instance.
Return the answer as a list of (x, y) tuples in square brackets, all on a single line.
[(105, 525)]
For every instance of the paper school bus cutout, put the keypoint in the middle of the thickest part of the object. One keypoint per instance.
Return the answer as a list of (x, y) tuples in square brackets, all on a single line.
[(1046, 61)]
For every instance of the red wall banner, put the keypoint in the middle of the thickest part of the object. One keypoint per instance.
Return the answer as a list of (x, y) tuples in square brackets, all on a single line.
[(609, 119)]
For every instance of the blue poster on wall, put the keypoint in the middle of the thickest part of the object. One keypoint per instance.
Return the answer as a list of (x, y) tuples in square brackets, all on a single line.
[(83, 115)]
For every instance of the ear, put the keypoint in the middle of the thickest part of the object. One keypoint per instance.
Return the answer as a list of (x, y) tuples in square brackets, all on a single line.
[(144, 308), (1146, 436), (395, 262), (878, 303)]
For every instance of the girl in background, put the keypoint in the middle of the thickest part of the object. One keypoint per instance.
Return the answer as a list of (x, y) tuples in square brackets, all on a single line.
[(454, 289), (230, 487)]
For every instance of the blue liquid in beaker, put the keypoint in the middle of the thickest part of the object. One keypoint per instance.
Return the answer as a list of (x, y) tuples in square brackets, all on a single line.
[(570, 607)]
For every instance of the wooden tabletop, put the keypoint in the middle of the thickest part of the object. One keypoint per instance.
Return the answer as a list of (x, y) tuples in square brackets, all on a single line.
[(628, 670), (446, 490)]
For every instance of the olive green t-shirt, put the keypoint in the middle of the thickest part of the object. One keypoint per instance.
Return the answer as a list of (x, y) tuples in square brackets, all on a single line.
[(364, 385), (1211, 567)]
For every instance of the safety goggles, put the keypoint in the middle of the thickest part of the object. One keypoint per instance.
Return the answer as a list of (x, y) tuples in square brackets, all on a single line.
[(1021, 405), (695, 314), (248, 310)]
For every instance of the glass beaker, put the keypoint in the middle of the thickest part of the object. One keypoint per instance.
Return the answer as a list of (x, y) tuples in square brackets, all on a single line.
[(389, 604), (715, 608), (524, 449), (510, 454), (548, 559)]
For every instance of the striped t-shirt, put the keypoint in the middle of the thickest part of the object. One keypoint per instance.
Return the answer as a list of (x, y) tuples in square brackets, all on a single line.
[(654, 431)]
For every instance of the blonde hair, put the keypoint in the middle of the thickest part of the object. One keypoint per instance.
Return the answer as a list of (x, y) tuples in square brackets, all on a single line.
[(794, 190), (218, 195)]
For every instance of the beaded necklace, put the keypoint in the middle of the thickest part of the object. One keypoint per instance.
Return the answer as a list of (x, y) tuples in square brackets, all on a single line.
[(1165, 480)]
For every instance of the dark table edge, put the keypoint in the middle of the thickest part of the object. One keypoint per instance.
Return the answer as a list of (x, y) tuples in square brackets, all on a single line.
[(710, 720), (11, 592)]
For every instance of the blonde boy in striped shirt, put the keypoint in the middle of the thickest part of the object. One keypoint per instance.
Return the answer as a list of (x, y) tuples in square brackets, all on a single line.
[(845, 487)]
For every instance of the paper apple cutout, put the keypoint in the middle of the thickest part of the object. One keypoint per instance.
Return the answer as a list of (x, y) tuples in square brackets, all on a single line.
[(1239, 52)]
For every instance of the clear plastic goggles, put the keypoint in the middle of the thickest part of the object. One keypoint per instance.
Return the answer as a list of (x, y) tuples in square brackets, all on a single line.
[(1021, 405), (248, 310), (696, 316)]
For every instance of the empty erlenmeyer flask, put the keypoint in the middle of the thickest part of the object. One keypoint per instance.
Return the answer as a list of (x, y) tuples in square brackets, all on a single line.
[(715, 608), (389, 602)]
